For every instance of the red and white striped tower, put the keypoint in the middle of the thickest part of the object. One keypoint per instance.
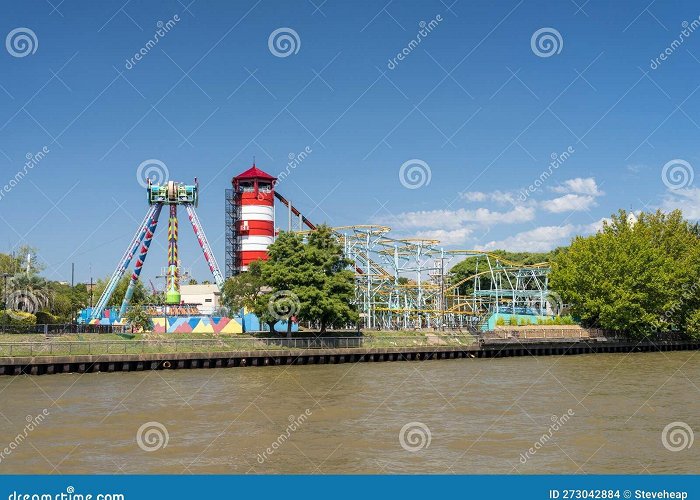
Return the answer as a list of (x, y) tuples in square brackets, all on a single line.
[(256, 228)]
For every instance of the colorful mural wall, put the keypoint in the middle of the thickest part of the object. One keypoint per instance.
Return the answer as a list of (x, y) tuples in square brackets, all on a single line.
[(248, 322), (197, 324)]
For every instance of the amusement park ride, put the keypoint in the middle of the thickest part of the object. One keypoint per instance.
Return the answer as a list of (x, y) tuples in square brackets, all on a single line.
[(172, 195), (400, 283)]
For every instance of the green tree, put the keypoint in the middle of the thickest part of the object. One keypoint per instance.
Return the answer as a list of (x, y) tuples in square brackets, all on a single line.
[(137, 317), (8, 264), (284, 270), (311, 281), (242, 290), (115, 300), (633, 277), (328, 299)]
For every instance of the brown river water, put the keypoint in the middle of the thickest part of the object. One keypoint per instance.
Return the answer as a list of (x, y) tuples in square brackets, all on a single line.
[(603, 413)]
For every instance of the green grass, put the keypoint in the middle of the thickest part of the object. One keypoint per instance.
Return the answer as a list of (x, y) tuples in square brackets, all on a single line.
[(150, 343)]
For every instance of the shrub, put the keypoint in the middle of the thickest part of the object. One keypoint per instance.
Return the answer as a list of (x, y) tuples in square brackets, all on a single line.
[(46, 318), (17, 318)]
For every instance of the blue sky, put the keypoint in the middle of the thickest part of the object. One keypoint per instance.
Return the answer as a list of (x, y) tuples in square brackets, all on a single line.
[(474, 107)]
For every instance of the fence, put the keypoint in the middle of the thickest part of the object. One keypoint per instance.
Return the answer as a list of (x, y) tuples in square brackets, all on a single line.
[(547, 333), (58, 329), (52, 347), (578, 333)]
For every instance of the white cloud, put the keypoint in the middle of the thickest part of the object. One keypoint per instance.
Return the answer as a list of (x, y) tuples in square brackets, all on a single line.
[(593, 227), (447, 238), (473, 196), (456, 219), (569, 203), (540, 239), (687, 200), (543, 238), (580, 185), (497, 196)]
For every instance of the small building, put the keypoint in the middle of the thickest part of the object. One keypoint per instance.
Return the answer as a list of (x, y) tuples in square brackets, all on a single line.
[(205, 297)]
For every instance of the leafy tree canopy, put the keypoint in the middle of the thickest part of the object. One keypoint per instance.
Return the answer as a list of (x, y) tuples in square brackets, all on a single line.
[(634, 277), (311, 281), (242, 291)]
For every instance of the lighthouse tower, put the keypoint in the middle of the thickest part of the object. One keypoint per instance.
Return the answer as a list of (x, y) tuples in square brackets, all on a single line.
[(254, 226)]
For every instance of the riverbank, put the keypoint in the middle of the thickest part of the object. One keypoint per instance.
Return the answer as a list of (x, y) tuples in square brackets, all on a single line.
[(342, 352)]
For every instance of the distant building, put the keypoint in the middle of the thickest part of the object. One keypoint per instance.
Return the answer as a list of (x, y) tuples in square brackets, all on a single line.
[(205, 297)]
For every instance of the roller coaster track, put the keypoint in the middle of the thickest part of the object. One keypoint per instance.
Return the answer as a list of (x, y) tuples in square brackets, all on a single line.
[(388, 302)]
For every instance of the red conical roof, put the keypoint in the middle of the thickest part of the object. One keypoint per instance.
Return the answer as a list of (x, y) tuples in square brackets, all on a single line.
[(254, 173)]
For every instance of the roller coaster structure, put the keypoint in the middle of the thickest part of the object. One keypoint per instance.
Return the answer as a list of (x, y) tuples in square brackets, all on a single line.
[(405, 283)]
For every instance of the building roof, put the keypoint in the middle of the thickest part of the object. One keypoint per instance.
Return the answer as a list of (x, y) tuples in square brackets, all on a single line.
[(200, 289), (254, 173)]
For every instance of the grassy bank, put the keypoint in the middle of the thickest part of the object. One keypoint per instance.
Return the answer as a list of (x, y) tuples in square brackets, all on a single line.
[(150, 343)]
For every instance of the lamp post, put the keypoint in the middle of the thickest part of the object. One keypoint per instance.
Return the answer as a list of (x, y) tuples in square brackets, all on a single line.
[(5, 276)]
